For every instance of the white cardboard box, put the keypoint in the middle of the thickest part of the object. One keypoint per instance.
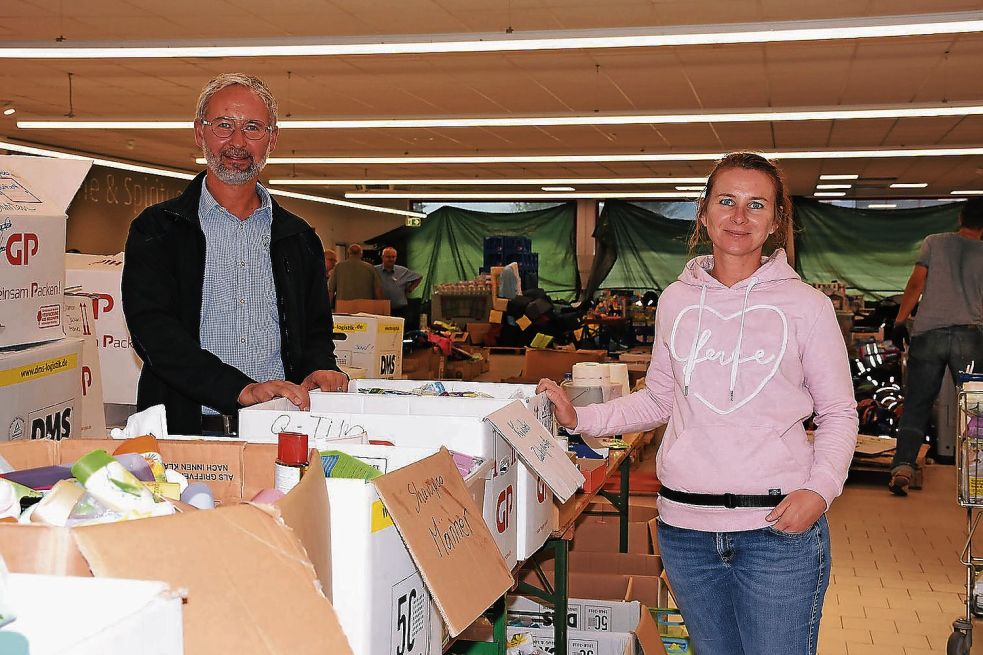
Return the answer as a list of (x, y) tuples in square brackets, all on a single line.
[(404, 421), (387, 609), (534, 500), (100, 276), (581, 642), (39, 390), (62, 615), (34, 195), (372, 342), (79, 325), (582, 614)]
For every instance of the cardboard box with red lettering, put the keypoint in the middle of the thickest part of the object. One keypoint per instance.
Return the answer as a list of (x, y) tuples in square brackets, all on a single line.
[(233, 605), (80, 325), (535, 519), (34, 196), (91, 616), (387, 608), (401, 421), (372, 342), (40, 390), (99, 277)]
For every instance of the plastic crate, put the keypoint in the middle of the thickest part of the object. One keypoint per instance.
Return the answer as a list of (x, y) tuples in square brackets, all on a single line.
[(672, 630), (530, 280), (493, 259), (528, 261)]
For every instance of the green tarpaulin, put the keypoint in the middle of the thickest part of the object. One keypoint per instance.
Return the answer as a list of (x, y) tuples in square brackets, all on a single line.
[(869, 250), (449, 246), (872, 251)]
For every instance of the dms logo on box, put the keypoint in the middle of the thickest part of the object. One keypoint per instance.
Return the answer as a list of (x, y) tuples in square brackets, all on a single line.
[(52, 422), (503, 510), (20, 247), (387, 364)]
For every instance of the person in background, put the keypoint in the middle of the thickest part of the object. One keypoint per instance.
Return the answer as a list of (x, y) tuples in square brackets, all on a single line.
[(745, 352), (397, 282), (224, 290), (354, 279), (947, 332), (330, 261)]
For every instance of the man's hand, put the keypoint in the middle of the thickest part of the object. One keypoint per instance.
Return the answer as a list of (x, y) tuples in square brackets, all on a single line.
[(899, 335), (326, 381), (260, 392), (798, 511), (563, 409)]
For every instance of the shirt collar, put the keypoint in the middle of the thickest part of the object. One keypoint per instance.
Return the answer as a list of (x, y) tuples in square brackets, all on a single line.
[(209, 204)]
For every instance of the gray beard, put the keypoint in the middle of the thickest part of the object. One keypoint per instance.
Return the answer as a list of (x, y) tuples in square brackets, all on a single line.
[(232, 176)]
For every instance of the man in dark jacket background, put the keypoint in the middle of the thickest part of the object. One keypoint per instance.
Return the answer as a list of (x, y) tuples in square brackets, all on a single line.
[(223, 290)]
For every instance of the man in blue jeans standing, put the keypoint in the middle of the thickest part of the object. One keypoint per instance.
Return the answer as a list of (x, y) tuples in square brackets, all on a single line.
[(948, 328)]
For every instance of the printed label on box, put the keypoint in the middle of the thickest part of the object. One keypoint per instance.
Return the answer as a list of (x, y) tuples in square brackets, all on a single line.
[(53, 421), (49, 316), (597, 617), (411, 617), (380, 517)]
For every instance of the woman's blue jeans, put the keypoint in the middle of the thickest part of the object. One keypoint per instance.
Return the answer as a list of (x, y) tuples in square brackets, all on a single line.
[(758, 592)]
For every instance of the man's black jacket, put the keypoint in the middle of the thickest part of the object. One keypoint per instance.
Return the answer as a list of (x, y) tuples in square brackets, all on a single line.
[(163, 276)]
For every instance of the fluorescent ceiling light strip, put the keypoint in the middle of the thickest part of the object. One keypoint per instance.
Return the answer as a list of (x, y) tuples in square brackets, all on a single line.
[(543, 121), (558, 188), (164, 172), (909, 185), (683, 35), (690, 188), (881, 206), (634, 157), (489, 181), (504, 195), (839, 177), (967, 192), (834, 186), (829, 194)]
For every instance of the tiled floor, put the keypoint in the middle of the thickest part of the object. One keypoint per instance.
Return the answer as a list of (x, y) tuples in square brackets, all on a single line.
[(897, 583)]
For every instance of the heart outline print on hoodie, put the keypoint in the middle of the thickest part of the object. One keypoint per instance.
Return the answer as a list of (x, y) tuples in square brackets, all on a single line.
[(730, 359)]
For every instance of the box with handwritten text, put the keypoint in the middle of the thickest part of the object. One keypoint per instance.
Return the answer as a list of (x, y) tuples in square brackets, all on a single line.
[(34, 196), (372, 342)]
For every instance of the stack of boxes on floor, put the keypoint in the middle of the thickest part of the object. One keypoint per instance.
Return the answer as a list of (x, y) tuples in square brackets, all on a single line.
[(41, 370), (505, 250)]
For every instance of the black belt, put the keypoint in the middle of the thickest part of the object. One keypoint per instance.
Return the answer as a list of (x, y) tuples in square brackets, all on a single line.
[(221, 423), (730, 501)]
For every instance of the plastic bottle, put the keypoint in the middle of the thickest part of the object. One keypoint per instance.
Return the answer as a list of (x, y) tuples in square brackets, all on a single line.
[(291, 460), (111, 484), (145, 446)]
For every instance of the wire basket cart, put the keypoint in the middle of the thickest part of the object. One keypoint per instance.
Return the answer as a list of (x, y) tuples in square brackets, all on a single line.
[(969, 472)]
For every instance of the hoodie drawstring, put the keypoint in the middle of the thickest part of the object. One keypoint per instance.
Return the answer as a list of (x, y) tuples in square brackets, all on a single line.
[(691, 360), (735, 362)]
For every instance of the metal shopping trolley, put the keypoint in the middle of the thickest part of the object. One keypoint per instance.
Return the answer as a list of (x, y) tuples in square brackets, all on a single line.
[(969, 472)]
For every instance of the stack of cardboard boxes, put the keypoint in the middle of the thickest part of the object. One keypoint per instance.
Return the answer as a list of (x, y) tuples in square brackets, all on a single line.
[(42, 372)]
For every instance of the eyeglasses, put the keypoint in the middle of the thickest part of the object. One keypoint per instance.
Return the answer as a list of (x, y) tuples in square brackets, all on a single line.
[(224, 127)]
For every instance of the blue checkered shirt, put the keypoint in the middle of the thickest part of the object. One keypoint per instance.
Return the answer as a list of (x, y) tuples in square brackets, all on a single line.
[(239, 319)]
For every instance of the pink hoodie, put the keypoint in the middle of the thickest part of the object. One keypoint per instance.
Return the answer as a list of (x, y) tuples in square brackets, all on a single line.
[(735, 423)]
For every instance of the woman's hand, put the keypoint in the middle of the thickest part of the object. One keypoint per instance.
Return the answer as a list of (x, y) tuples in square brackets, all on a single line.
[(798, 511), (563, 410)]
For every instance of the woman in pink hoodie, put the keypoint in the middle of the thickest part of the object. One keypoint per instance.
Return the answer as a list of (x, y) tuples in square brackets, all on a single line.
[(744, 353)]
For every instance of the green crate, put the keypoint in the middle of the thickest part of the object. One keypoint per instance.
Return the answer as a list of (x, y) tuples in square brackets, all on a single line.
[(672, 629)]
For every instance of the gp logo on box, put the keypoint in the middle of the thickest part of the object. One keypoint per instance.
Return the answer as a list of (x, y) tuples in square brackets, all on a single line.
[(103, 302), (21, 247), (503, 510)]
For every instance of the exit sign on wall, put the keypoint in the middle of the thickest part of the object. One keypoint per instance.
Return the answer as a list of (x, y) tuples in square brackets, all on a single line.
[(412, 221)]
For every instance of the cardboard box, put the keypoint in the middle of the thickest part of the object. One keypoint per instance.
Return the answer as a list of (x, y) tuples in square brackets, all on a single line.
[(372, 342), (99, 277), (34, 195), (603, 534), (554, 364), (579, 641), (233, 605), (80, 325), (421, 364), (387, 608), (363, 306), (39, 390), (483, 334), (534, 500), (468, 369), (93, 616)]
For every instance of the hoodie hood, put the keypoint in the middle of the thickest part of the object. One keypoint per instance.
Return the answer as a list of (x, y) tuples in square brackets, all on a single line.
[(774, 268)]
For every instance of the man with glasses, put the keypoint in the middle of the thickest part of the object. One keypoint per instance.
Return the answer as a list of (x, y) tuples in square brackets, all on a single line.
[(224, 290)]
